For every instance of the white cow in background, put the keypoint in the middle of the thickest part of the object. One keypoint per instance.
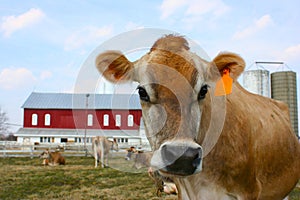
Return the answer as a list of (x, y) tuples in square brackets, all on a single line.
[(101, 147)]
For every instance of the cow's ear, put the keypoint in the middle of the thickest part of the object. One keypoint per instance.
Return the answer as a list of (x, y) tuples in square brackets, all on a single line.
[(114, 66), (224, 70), (228, 61)]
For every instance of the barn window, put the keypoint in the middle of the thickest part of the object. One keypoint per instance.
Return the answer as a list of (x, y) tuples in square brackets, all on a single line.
[(77, 140), (130, 120), (63, 140), (47, 119), (46, 139), (34, 119), (106, 120), (90, 120), (118, 120)]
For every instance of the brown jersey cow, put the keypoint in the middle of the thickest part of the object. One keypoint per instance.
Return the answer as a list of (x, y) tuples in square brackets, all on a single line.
[(52, 158), (131, 150), (211, 136)]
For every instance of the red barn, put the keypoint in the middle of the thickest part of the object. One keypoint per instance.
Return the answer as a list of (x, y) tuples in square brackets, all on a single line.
[(62, 118)]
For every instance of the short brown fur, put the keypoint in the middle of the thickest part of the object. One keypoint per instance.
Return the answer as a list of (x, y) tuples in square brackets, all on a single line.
[(257, 156), (52, 158)]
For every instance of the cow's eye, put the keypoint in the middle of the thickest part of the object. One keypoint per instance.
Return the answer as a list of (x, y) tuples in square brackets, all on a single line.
[(203, 92), (143, 94)]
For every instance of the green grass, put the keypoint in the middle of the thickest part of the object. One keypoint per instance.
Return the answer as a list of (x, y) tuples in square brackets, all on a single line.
[(25, 178), (295, 194)]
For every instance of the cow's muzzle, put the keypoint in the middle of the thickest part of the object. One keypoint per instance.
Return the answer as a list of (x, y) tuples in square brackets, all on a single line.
[(179, 158)]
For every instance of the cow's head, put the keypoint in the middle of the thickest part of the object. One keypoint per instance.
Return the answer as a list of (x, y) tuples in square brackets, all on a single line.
[(132, 149), (45, 154), (176, 88)]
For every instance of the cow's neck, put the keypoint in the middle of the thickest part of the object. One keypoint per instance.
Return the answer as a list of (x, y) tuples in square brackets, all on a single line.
[(186, 188), (192, 187), (201, 188)]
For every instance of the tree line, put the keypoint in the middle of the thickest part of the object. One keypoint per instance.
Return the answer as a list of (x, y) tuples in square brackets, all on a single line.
[(5, 133)]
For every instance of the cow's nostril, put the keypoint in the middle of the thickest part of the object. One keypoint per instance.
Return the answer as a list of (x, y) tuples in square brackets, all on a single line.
[(197, 162), (182, 160), (193, 152)]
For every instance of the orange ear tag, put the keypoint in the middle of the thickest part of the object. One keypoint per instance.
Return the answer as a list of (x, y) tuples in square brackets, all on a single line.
[(224, 85)]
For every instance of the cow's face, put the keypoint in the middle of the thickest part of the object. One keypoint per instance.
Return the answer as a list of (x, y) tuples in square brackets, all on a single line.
[(174, 89), (45, 154)]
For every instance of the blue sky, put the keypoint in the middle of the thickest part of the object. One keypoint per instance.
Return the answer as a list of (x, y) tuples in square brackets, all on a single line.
[(43, 44)]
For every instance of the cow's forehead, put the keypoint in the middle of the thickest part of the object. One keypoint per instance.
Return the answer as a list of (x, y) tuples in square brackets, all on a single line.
[(180, 71)]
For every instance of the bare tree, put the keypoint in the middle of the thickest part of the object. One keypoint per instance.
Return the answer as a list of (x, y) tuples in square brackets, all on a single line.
[(4, 128)]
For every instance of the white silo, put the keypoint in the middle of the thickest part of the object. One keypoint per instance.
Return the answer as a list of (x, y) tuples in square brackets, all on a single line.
[(257, 81)]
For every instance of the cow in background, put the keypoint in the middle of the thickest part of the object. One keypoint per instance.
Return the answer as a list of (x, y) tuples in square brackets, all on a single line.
[(52, 158), (163, 184), (142, 159), (130, 151), (101, 147)]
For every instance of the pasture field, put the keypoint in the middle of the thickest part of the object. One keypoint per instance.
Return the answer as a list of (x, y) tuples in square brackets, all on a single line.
[(25, 178)]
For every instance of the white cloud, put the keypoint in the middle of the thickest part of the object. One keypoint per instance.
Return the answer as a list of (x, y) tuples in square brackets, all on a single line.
[(193, 8), (257, 26), (86, 35), (291, 54), (45, 74), (168, 7), (14, 78), (293, 51), (216, 7), (11, 24)]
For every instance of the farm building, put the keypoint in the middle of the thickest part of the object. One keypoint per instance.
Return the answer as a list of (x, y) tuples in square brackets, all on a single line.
[(76, 118), (257, 81)]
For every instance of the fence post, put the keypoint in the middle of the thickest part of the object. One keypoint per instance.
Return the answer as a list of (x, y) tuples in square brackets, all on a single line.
[(31, 151), (4, 152)]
